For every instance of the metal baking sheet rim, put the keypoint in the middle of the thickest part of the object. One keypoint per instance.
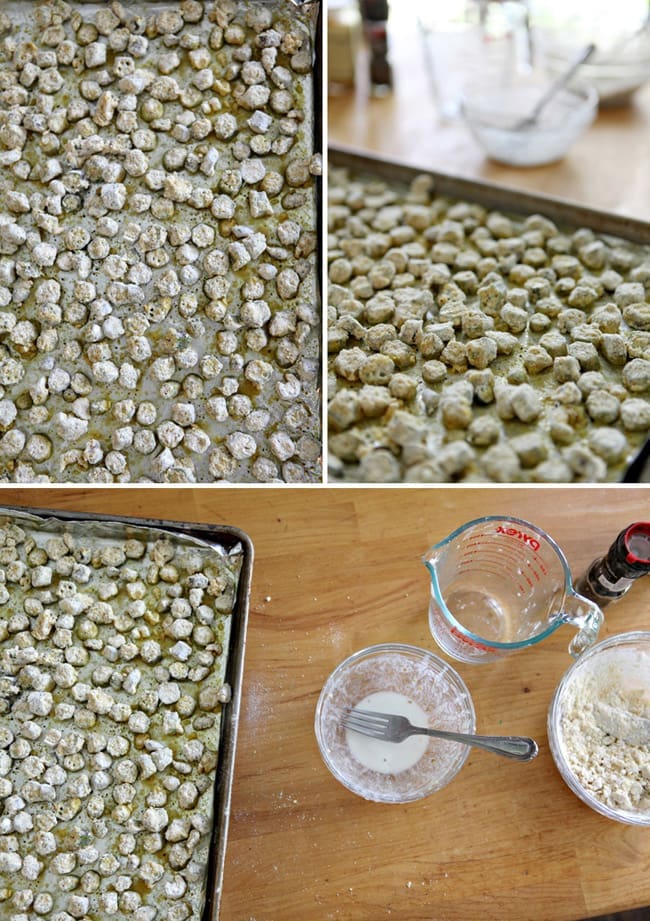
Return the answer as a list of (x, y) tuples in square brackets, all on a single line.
[(493, 195), (209, 534)]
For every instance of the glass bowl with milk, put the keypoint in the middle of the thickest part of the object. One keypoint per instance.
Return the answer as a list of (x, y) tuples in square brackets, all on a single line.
[(497, 116), (405, 681)]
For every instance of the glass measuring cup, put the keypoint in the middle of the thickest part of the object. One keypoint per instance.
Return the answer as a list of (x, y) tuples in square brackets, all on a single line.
[(500, 584)]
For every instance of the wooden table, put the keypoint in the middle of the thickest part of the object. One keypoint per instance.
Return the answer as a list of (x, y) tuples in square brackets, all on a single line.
[(339, 569), (606, 168)]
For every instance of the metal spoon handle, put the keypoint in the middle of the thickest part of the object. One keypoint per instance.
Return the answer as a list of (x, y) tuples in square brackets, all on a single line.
[(519, 748), (555, 87)]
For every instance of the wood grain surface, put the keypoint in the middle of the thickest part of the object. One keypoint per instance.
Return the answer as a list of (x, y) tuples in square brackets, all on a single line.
[(339, 569), (606, 168)]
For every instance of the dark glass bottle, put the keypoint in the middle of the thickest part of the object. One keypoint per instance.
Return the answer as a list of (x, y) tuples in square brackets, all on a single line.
[(628, 558), (375, 16)]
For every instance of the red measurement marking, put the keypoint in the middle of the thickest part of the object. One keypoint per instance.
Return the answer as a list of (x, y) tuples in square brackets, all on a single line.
[(501, 548), (489, 572), (485, 570), (542, 566), (505, 570), (493, 568), (490, 555), (466, 639), (504, 558), (503, 552)]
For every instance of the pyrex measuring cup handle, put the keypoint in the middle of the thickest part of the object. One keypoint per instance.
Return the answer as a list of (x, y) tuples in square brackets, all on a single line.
[(584, 614)]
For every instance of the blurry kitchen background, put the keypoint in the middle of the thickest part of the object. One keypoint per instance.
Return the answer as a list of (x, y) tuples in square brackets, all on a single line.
[(450, 85)]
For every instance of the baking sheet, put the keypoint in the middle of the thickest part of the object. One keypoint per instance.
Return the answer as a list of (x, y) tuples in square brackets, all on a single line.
[(614, 229), (639, 470), (495, 196), (291, 395), (225, 541)]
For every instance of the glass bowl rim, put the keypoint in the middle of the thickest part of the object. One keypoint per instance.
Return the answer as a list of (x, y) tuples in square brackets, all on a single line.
[(416, 653), (554, 735), (484, 117)]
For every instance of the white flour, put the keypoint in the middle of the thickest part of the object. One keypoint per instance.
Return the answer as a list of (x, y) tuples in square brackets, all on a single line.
[(613, 770)]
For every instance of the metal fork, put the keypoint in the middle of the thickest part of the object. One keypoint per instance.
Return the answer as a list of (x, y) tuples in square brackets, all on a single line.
[(391, 728)]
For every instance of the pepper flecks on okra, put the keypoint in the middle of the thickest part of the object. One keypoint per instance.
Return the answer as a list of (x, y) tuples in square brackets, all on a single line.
[(469, 345), (112, 669), (159, 317)]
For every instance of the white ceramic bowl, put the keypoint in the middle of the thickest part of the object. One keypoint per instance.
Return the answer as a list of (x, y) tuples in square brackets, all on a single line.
[(493, 115), (431, 684), (622, 662)]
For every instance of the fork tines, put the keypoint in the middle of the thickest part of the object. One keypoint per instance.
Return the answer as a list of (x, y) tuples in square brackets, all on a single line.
[(368, 722)]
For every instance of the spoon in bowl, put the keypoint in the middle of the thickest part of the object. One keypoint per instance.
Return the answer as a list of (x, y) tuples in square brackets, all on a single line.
[(559, 83)]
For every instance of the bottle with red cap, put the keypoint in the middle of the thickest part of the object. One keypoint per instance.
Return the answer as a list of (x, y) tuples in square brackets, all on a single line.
[(628, 558)]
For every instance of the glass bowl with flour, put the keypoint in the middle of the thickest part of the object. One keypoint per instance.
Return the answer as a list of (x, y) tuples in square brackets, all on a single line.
[(599, 728), (406, 681)]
